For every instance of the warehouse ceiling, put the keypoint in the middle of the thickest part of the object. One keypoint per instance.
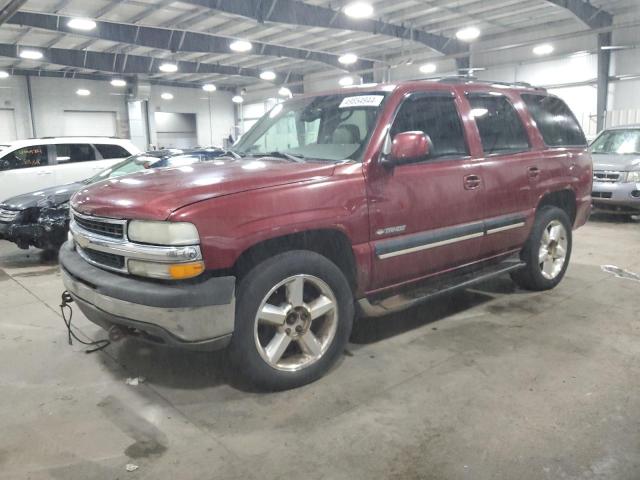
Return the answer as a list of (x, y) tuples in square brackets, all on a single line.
[(289, 37)]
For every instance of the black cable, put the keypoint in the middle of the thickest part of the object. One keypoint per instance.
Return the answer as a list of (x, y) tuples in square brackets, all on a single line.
[(67, 299)]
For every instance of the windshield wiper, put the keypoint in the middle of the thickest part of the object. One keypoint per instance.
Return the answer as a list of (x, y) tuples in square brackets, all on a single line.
[(285, 155)]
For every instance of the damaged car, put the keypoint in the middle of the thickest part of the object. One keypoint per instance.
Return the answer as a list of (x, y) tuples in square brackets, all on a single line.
[(41, 219)]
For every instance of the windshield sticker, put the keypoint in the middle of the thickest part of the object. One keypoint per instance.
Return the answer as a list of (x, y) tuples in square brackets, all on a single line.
[(362, 101)]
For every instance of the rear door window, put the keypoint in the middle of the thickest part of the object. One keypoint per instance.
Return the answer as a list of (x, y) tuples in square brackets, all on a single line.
[(500, 127), (437, 117), (557, 125), (74, 153), (27, 157), (112, 151)]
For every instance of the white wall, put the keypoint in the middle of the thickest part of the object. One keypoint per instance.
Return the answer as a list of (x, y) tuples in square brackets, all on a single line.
[(13, 95), (214, 111), (53, 96)]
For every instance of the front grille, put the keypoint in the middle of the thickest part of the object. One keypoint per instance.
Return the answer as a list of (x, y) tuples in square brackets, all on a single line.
[(8, 216), (601, 194), (105, 259), (99, 227), (606, 176)]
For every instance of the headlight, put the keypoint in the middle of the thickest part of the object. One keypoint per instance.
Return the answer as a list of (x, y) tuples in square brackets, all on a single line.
[(163, 233), (173, 271), (633, 177)]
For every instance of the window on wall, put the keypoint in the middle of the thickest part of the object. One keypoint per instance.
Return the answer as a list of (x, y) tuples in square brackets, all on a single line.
[(500, 127), (74, 152), (437, 117), (558, 126), (112, 151), (27, 157)]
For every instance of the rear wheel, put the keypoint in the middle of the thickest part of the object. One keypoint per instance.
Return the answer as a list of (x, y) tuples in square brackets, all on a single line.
[(547, 251), (293, 318)]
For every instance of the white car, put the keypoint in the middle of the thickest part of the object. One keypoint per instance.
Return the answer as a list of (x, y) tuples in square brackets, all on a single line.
[(35, 164)]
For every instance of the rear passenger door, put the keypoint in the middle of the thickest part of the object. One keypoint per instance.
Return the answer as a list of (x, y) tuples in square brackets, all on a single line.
[(77, 161), (510, 169), (25, 170)]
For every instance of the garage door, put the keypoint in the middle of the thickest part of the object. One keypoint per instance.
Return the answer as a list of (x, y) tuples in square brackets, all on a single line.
[(176, 130), (89, 124), (8, 132)]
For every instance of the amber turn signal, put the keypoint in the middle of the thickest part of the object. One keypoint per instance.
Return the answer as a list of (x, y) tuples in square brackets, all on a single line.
[(181, 271)]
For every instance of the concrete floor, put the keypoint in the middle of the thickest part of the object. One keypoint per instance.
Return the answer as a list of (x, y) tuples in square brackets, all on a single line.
[(492, 383)]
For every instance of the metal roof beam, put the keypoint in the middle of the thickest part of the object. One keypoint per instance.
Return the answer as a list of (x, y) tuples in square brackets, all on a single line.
[(125, 64), (106, 78), (9, 8), (294, 12), (173, 40), (591, 16)]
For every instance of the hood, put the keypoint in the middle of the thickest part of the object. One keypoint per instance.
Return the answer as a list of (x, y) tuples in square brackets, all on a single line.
[(155, 194), (616, 162), (49, 197)]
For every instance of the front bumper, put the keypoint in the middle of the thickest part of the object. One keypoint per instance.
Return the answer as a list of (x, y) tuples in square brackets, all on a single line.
[(197, 315), (616, 197)]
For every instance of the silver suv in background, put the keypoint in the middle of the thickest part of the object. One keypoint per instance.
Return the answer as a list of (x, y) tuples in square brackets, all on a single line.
[(616, 170)]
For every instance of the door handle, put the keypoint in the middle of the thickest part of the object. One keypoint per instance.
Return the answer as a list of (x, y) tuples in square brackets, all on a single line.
[(533, 172), (45, 173), (471, 182)]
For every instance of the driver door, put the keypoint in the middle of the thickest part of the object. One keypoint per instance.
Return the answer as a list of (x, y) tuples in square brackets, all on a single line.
[(427, 216)]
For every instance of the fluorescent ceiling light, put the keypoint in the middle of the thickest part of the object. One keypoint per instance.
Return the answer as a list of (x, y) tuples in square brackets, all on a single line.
[(209, 87), (81, 24), (615, 47), (544, 49), (118, 82), (83, 92), (4, 74), (168, 67), (428, 68), (268, 75), (358, 10), (237, 99), (31, 54), (468, 34), (348, 58), (240, 46), (346, 81), (167, 96), (285, 92)]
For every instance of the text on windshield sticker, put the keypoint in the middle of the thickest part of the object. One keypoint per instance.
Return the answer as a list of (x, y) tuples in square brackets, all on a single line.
[(362, 101)]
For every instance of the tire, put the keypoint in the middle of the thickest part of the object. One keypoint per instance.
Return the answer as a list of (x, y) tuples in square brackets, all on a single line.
[(538, 275), (276, 350)]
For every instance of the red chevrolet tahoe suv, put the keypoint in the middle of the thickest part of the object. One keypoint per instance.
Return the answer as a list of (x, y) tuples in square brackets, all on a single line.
[(367, 200)]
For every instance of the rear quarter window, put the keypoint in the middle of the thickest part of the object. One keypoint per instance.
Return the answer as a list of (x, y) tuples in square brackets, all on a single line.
[(556, 123), (112, 151)]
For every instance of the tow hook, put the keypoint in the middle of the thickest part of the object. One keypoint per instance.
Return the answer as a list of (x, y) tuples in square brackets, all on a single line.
[(67, 316), (116, 333)]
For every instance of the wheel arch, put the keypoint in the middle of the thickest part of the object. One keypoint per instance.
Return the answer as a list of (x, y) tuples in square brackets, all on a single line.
[(330, 243), (564, 199)]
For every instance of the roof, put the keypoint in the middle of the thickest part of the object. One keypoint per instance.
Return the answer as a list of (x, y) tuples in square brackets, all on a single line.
[(59, 140)]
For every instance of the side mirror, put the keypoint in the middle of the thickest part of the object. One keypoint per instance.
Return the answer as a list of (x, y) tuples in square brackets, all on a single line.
[(408, 147)]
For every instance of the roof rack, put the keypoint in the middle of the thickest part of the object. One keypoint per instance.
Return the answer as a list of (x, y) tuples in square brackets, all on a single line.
[(467, 79)]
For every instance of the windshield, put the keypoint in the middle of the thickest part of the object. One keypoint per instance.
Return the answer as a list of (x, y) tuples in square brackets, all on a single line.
[(620, 142), (327, 127)]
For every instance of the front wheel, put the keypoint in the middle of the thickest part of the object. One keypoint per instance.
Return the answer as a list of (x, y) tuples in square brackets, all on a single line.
[(293, 318), (547, 251)]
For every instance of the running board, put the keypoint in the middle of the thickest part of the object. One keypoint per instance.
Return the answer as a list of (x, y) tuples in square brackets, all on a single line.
[(425, 292)]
